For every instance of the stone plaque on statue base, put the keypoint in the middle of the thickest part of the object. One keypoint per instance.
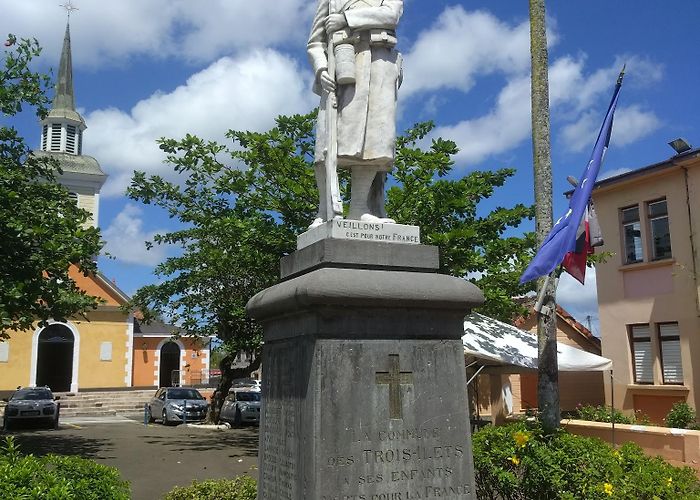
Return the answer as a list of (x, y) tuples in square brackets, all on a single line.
[(346, 229), (364, 392)]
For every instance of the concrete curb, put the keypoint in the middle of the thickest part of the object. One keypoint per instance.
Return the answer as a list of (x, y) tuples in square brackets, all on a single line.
[(212, 427)]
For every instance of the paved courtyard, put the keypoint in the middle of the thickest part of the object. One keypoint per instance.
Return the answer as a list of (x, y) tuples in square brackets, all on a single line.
[(152, 458)]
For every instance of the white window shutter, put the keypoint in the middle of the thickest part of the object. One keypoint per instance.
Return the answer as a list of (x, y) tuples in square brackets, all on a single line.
[(671, 353), (643, 362)]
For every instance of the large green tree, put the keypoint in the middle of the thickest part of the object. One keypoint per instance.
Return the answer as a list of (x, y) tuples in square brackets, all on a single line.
[(239, 216), (41, 228)]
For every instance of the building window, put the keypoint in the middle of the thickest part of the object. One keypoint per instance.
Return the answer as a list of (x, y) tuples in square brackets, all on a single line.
[(632, 234), (73, 196), (642, 359), (658, 229), (44, 137), (670, 342)]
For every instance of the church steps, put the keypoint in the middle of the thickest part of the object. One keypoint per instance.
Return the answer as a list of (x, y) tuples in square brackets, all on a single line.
[(98, 403)]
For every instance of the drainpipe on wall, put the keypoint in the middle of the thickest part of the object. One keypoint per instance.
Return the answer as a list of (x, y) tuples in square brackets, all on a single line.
[(692, 239)]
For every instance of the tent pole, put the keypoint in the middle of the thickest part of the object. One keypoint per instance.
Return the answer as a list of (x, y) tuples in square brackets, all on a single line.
[(476, 374), (612, 406)]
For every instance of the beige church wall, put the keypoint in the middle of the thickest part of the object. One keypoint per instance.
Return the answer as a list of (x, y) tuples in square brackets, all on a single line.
[(103, 327), (15, 371)]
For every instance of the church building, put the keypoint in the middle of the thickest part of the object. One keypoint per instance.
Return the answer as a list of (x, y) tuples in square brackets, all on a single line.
[(109, 348)]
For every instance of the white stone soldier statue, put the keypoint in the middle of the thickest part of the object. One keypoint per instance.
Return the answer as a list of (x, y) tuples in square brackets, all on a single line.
[(366, 80)]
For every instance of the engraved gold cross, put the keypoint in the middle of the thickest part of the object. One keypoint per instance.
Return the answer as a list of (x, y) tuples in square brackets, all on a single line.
[(394, 378)]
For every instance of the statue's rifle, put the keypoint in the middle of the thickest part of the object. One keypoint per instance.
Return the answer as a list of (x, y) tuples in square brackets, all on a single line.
[(334, 205)]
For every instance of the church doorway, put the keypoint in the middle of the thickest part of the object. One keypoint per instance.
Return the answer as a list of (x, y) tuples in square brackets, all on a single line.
[(170, 364), (54, 364)]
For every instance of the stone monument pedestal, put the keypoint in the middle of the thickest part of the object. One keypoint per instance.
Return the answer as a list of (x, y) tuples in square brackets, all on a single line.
[(364, 390)]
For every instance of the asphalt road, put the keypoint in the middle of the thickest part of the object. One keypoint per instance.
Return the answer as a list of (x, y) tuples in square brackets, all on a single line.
[(152, 458)]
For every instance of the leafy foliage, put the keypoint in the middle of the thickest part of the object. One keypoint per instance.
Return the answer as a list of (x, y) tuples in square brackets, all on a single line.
[(57, 477), (41, 228), (240, 488), (681, 416), (601, 413), (518, 461), (471, 245), (238, 220)]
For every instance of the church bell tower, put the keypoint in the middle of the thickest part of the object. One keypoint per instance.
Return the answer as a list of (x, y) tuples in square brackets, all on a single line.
[(62, 138)]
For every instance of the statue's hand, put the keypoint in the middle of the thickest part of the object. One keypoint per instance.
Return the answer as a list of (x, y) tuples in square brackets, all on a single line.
[(327, 82), (335, 22)]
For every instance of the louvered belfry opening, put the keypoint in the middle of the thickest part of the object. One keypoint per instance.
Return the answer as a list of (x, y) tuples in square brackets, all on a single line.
[(55, 137)]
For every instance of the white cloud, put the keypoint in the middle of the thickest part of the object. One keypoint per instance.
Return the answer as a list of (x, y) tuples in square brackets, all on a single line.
[(452, 52), (631, 124), (243, 93), (105, 32), (572, 93), (125, 239), (462, 46), (504, 127), (580, 300)]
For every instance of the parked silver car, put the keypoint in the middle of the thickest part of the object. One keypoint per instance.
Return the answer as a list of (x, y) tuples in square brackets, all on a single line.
[(241, 406), (31, 404), (175, 404)]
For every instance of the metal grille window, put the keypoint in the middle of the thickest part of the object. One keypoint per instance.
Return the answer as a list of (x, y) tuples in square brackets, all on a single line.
[(44, 137), (670, 341), (632, 234), (658, 229), (70, 139), (642, 358), (80, 142), (55, 137)]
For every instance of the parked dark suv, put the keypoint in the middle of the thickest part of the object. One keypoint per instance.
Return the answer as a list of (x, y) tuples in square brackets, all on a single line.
[(31, 404)]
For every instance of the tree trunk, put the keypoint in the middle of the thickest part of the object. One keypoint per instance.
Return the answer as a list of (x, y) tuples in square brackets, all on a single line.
[(228, 375), (548, 373)]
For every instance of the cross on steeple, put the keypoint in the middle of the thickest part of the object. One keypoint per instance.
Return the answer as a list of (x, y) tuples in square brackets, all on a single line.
[(69, 8), (394, 378)]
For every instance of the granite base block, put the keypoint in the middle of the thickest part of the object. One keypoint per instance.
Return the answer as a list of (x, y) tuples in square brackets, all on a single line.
[(365, 420)]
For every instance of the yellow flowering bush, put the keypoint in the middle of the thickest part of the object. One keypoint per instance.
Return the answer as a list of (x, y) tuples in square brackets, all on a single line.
[(608, 489), (517, 462)]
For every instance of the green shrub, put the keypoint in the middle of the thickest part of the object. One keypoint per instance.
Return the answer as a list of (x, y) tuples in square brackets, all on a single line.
[(240, 488), (517, 462), (56, 477), (681, 416), (601, 414)]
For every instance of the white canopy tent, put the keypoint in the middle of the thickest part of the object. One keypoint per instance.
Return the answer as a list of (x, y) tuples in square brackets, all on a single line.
[(497, 349), (494, 343)]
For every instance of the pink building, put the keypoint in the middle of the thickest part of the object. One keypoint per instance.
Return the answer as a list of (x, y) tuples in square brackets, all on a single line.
[(648, 289)]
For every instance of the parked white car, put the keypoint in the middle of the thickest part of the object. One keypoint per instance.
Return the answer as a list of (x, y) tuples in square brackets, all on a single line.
[(241, 406), (173, 405)]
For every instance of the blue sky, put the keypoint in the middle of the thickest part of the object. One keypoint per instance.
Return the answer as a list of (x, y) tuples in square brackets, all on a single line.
[(150, 68)]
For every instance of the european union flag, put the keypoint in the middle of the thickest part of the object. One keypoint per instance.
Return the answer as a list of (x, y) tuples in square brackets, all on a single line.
[(562, 238)]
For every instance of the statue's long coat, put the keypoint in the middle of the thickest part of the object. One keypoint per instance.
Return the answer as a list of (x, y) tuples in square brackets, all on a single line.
[(367, 109)]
